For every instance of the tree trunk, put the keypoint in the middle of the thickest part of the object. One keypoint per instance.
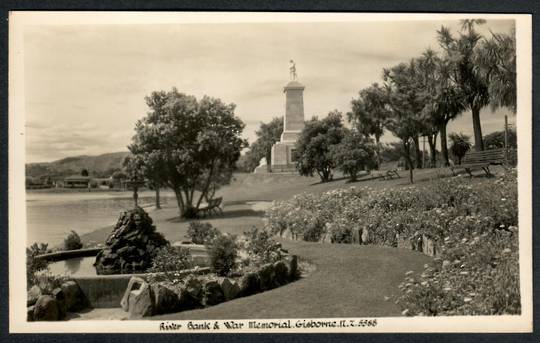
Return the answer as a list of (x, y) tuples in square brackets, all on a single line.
[(432, 141), (268, 158), (407, 155), (179, 201), (378, 151), (444, 145), (478, 140), (158, 202), (417, 152)]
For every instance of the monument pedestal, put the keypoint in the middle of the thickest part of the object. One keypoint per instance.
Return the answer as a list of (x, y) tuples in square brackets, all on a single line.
[(283, 157), (284, 151)]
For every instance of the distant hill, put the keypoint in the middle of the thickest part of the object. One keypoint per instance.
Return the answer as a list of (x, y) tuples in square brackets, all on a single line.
[(98, 166)]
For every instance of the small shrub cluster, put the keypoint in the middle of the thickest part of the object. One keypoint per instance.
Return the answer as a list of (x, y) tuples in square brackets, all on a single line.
[(261, 247), (169, 260), (201, 233), (223, 254), (34, 264), (73, 241), (475, 226)]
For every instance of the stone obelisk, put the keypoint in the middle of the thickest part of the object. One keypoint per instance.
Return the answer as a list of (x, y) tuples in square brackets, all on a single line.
[(284, 152)]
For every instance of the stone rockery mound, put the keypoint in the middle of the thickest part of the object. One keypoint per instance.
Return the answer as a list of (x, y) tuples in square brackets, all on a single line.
[(131, 246)]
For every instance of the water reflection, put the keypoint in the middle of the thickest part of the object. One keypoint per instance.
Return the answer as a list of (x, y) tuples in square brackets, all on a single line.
[(80, 266)]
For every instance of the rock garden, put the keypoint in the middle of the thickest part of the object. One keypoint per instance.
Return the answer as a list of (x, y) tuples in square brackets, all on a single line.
[(152, 276)]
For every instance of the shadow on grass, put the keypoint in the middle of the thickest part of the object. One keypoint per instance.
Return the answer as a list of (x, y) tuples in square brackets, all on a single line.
[(330, 181), (225, 215)]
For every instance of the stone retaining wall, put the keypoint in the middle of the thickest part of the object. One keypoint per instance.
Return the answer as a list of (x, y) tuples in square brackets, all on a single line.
[(106, 291), (423, 244)]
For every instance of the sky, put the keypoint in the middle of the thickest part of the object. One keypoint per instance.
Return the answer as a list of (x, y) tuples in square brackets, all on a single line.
[(85, 84)]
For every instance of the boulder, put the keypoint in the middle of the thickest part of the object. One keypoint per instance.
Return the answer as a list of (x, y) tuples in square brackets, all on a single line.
[(266, 277), (249, 284), (281, 273), (212, 293), (287, 234), (135, 283), (355, 236), (404, 243), (60, 298), (365, 236), (141, 302), (30, 313), (46, 309), (194, 288), (326, 238), (33, 295), (165, 299), (294, 273), (428, 246), (229, 287), (75, 298), (131, 246)]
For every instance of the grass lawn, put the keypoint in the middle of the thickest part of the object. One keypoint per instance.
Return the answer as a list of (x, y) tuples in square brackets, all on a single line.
[(350, 281)]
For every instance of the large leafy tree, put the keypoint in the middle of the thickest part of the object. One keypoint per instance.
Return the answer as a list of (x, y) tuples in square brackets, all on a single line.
[(195, 143), (406, 103), (369, 114), (356, 152), (464, 52), (267, 135), (314, 145)]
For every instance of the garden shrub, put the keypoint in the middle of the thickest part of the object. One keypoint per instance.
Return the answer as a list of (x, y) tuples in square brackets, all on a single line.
[(201, 233), (223, 253), (262, 247), (73, 241), (34, 264), (169, 261), (473, 225)]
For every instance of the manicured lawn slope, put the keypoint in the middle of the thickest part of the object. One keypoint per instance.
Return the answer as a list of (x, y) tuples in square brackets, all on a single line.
[(350, 281)]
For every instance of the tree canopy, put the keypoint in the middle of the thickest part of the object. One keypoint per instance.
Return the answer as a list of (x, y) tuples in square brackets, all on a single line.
[(195, 143), (314, 145), (370, 114), (267, 135), (356, 152)]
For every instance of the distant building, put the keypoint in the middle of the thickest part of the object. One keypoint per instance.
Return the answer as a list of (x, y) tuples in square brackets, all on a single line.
[(76, 181)]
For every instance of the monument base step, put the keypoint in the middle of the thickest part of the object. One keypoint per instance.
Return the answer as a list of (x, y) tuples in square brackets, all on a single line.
[(290, 169)]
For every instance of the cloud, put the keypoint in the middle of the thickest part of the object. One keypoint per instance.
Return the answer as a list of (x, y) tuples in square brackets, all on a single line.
[(85, 84)]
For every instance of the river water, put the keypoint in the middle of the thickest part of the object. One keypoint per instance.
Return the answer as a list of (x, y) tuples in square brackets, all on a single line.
[(51, 216)]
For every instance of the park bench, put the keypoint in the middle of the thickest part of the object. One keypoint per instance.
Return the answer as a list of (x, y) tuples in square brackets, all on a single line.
[(213, 206), (483, 159)]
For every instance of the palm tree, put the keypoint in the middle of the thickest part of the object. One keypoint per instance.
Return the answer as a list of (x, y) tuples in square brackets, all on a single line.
[(463, 54), (460, 144), (370, 114), (443, 99), (497, 62)]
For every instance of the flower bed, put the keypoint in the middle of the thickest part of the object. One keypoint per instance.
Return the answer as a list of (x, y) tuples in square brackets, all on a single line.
[(470, 229)]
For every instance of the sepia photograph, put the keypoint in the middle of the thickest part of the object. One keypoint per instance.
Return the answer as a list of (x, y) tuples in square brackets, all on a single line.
[(270, 172)]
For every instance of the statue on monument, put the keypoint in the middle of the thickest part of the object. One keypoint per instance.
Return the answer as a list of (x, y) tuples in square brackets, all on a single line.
[(292, 70)]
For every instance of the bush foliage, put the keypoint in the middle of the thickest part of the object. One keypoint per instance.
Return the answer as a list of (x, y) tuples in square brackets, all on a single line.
[(73, 241), (223, 253), (475, 225), (169, 261), (201, 233)]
